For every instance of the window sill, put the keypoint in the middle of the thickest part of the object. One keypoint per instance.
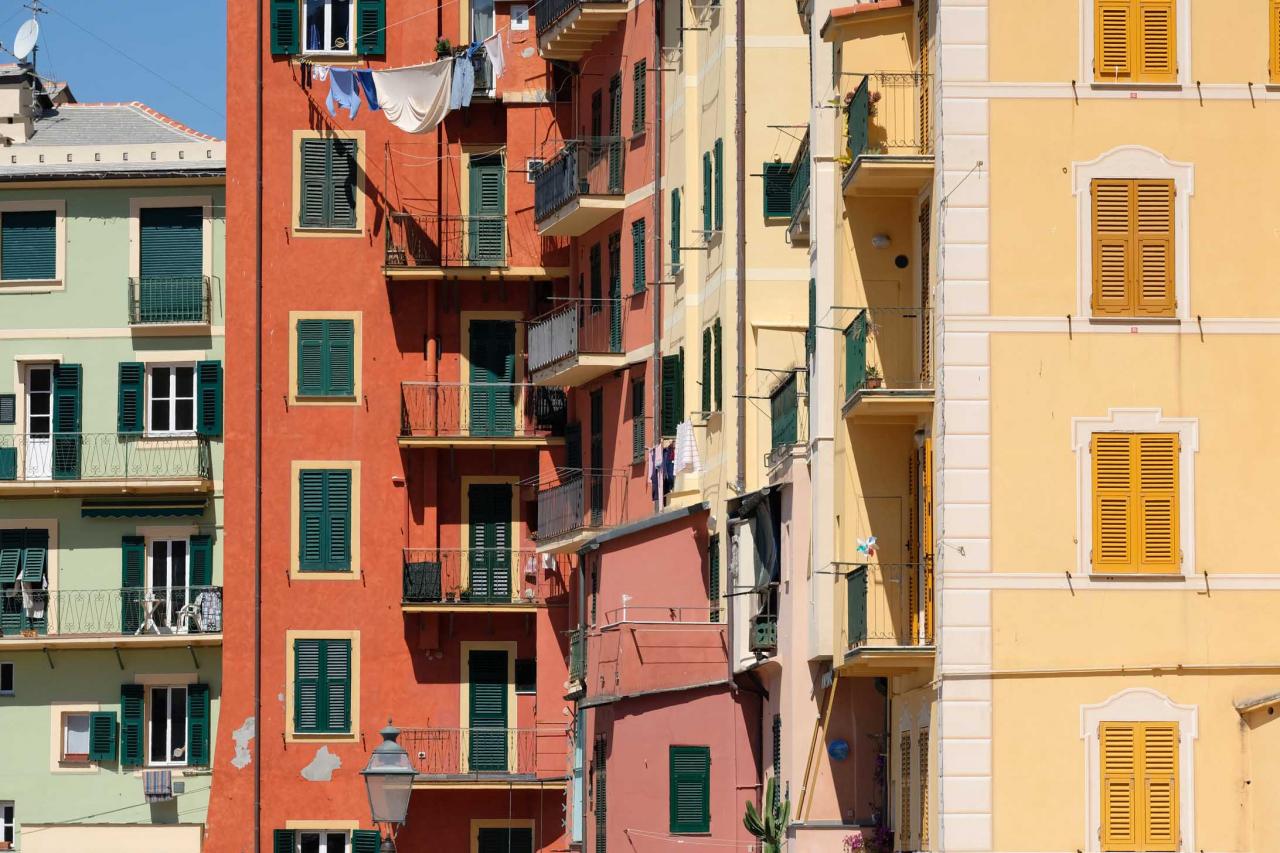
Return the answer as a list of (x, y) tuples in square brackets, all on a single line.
[(1137, 86), (295, 400), (1129, 321), (1113, 577), (306, 231), (77, 762), (30, 285)]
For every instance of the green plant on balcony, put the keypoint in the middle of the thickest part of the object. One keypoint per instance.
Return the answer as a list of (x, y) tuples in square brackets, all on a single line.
[(873, 378), (771, 826)]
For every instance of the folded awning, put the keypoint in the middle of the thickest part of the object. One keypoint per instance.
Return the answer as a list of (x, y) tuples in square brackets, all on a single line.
[(143, 507)]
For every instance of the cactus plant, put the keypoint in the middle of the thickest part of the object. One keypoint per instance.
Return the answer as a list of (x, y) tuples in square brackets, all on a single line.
[(771, 826)]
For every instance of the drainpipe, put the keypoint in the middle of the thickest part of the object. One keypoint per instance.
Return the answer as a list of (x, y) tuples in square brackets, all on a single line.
[(257, 450), (740, 139), (656, 294)]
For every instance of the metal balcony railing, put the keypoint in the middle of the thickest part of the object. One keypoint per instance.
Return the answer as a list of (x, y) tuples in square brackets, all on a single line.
[(586, 326), (110, 612), (592, 165), (550, 12), (887, 348), (581, 500), (481, 576), (481, 410), (103, 456), (660, 614), (435, 241), (482, 751), (169, 300), (888, 113), (889, 604)]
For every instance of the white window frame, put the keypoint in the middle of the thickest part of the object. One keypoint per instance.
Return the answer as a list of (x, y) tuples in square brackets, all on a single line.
[(1182, 20), (170, 614), (58, 282), (173, 398), (64, 718), (186, 754), (1135, 421), (324, 839), (8, 821), (327, 36), (1140, 705), (1133, 162), (13, 678), (519, 17)]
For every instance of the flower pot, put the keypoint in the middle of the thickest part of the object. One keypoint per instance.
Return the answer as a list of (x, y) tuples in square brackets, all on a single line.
[(874, 382)]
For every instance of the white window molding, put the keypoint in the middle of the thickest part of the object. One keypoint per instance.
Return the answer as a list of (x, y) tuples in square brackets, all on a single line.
[(1182, 22), (1128, 162), (59, 280), (57, 712), (1135, 420), (1139, 705), (174, 401)]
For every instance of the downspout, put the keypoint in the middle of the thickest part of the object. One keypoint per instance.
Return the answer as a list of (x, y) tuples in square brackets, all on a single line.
[(257, 452), (740, 139), (657, 294)]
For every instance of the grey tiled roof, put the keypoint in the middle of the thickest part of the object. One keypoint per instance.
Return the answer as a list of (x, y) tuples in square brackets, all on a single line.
[(59, 171), (110, 124)]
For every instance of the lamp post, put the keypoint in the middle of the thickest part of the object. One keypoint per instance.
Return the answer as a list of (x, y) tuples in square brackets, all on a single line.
[(389, 779)]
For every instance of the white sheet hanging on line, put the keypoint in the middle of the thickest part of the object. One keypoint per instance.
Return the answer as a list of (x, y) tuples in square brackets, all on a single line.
[(415, 99), (687, 458), (493, 50)]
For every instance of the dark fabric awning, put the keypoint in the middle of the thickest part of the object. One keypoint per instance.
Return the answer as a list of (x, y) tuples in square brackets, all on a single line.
[(143, 507)]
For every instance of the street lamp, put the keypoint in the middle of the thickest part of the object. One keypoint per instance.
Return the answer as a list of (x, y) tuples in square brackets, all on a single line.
[(389, 779)]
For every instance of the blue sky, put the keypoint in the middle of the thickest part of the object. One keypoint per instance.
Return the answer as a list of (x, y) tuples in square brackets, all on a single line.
[(182, 41)]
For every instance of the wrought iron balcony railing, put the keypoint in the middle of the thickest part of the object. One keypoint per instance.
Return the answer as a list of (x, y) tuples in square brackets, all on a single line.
[(143, 612), (586, 326), (71, 457), (486, 752), (550, 12), (435, 241), (481, 576), (169, 300), (889, 604), (481, 410), (583, 499), (887, 349), (592, 165), (888, 113)]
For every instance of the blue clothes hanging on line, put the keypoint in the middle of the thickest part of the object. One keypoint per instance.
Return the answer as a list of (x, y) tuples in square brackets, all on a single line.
[(343, 92), (464, 79), (365, 76)]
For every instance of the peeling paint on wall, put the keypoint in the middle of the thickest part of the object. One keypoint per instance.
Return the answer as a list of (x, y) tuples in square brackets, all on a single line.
[(242, 736), (322, 766)]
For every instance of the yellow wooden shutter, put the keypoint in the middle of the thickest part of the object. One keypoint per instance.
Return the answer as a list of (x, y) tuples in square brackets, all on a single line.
[(1157, 54), (926, 109), (1112, 247), (1118, 748), (1152, 262), (1113, 40), (1157, 502), (1159, 794), (923, 747), (1113, 486), (926, 536), (904, 806), (1274, 53)]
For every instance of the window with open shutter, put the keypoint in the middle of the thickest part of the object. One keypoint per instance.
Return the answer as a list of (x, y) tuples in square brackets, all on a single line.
[(599, 781), (209, 398), (1135, 502), (638, 273), (1139, 786), (28, 245), (672, 394), (675, 225), (488, 710), (132, 706), (284, 27), (327, 197), (706, 369), (777, 190), (1133, 247), (713, 576), (717, 365), (371, 27), (133, 560), (639, 84), (198, 725), (321, 686), (324, 523), (719, 183), (68, 382), (130, 397), (637, 422), (325, 358), (708, 210), (487, 231), (102, 736), (1135, 41), (690, 789)]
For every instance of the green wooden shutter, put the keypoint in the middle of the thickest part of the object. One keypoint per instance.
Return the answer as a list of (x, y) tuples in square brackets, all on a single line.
[(782, 411), (311, 367), (708, 210), (615, 289), (171, 243), (200, 551), (718, 366), (713, 577), (198, 725), (365, 840), (284, 35), (209, 398), (488, 208), (639, 82), (706, 369), (810, 335), (11, 542), (637, 422), (371, 28), (719, 157), (311, 520), (35, 555), (675, 228), (856, 595), (672, 393), (133, 567), (492, 378), (28, 245), (130, 397), (337, 523), (337, 684), (573, 445), (67, 383), (8, 463), (487, 693), (490, 547), (284, 841), (340, 371), (690, 788), (102, 736), (638, 259), (308, 698), (680, 407), (777, 190), (600, 779), (132, 705), (777, 758), (342, 183), (313, 205)]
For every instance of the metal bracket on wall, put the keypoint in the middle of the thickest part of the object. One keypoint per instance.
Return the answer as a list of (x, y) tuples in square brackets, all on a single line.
[(195, 660), (47, 655), (119, 660)]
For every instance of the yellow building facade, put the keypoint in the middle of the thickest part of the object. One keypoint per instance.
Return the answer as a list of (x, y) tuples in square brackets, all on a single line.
[(1045, 243)]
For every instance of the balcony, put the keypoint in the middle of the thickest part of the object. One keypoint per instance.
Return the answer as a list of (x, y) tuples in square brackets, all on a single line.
[(483, 757), (161, 303), (573, 345), (788, 419), (580, 187), (567, 29), (578, 507), (103, 463), (798, 230), (488, 580), (106, 618), (648, 648), (890, 618), (887, 372), (889, 135), (444, 414), (426, 242)]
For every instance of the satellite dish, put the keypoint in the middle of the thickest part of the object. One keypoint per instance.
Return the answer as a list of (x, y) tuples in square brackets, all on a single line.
[(25, 41)]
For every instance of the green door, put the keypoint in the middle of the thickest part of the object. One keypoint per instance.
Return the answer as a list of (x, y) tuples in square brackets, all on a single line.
[(493, 372), (488, 698), (170, 265), (488, 232), (490, 554)]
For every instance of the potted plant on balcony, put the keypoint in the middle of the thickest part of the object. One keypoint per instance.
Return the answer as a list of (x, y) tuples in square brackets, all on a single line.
[(443, 48), (874, 379)]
